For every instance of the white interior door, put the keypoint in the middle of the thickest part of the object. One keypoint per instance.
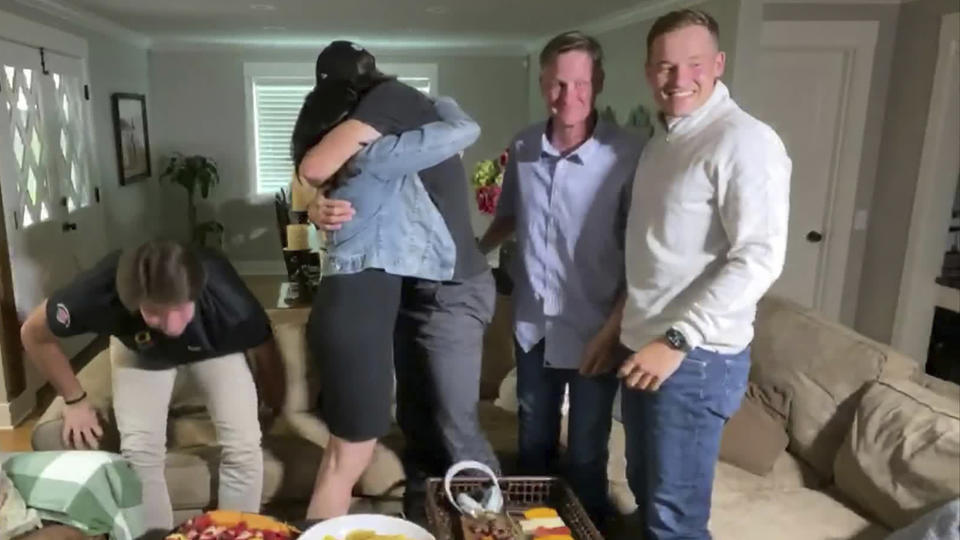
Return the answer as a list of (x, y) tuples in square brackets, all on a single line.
[(85, 226), (811, 85), (45, 161), (808, 131)]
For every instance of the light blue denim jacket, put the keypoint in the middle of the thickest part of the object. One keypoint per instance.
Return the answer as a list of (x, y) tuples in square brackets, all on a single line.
[(397, 228)]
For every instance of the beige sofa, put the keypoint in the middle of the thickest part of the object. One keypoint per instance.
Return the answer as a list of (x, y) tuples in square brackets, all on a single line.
[(872, 441)]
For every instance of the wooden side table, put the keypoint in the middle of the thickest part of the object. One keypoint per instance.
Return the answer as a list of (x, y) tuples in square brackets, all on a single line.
[(284, 313)]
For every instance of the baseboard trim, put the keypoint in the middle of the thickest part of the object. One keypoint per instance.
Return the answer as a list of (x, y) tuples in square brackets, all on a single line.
[(14, 412)]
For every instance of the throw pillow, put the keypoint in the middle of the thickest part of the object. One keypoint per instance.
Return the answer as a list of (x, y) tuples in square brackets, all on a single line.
[(899, 459), (755, 435)]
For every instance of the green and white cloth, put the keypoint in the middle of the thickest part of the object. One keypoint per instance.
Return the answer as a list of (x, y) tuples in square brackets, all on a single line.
[(15, 517), (96, 492)]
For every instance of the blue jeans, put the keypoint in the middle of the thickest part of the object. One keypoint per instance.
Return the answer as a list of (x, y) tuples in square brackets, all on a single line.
[(673, 440), (540, 395)]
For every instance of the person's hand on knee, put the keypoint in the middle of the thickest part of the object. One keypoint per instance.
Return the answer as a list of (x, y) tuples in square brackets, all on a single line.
[(81, 426)]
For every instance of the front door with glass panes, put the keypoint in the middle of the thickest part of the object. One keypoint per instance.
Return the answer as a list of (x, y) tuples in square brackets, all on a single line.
[(51, 209)]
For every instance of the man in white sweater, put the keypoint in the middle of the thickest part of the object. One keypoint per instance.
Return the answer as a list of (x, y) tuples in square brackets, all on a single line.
[(705, 239)]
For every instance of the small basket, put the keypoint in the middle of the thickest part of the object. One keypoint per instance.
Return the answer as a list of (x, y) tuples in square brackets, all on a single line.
[(519, 493)]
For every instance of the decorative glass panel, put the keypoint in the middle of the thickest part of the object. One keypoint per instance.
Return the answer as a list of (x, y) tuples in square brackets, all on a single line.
[(20, 96), (73, 153), (18, 148)]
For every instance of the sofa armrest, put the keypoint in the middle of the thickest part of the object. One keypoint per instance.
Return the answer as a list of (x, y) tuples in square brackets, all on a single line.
[(95, 378)]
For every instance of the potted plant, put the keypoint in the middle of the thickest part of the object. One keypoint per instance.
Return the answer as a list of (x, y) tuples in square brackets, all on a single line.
[(195, 173)]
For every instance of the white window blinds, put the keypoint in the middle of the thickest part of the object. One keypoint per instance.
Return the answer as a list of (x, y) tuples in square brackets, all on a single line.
[(275, 110), (275, 94)]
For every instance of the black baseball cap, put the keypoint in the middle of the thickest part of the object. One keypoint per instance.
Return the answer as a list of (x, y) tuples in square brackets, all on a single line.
[(344, 60)]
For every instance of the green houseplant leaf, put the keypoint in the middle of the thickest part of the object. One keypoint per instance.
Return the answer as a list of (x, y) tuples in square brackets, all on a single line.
[(193, 173)]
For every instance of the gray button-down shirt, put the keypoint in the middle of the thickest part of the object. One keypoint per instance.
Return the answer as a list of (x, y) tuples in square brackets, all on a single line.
[(571, 213)]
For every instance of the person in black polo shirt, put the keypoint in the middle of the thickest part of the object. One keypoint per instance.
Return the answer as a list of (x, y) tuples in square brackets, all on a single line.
[(168, 307), (438, 339)]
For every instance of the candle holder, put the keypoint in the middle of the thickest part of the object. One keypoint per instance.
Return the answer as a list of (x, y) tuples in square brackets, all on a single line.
[(303, 272), (303, 265)]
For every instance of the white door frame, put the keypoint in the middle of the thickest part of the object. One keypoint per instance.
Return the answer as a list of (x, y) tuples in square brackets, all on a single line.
[(26, 32), (13, 409), (857, 40), (936, 182)]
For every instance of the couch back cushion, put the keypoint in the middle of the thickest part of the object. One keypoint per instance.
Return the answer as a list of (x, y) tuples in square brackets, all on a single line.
[(497, 349), (901, 454), (303, 382), (823, 366), (303, 390)]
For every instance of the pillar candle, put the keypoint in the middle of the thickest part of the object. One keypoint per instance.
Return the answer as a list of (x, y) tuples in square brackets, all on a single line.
[(298, 237)]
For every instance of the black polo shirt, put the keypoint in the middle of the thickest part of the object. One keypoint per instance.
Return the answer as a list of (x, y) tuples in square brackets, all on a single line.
[(392, 108), (228, 318)]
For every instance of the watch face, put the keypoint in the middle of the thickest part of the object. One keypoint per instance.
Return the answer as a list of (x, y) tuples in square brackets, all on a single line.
[(676, 339)]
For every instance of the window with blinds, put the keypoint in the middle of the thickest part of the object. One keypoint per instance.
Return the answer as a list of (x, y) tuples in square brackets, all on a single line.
[(275, 93)]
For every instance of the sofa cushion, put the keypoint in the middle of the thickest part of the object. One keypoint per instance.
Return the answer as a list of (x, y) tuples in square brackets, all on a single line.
[(507, 394), (787, 474), (303, 382), (755, 435), (900, 458), (95, 378), (501, 428), (824, 366), (497, 349), (289, 467), (732, 484), (947, 389), (790, 514), (303, 390)]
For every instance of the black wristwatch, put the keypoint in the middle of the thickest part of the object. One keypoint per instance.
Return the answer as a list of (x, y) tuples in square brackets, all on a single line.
[(677, 340)]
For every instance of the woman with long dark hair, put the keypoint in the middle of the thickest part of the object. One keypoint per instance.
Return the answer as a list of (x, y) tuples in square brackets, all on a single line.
[(396, 232)]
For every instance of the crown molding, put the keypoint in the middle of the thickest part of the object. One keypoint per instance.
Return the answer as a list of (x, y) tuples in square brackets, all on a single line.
[(33, 34), (652, 9), (838, 2), (380, 46), (86, 19), (641, 12)]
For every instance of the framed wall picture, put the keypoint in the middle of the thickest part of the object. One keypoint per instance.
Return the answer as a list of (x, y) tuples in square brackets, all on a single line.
[(130, 134)]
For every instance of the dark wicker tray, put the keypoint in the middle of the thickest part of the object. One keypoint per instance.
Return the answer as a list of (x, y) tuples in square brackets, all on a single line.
[(519, 493)]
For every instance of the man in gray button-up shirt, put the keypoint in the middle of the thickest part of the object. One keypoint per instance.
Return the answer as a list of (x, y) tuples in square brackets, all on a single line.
[(565, 194)]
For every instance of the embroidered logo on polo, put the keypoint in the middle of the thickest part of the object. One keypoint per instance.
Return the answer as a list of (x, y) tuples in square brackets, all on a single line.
[(63, 315), (143, 339)]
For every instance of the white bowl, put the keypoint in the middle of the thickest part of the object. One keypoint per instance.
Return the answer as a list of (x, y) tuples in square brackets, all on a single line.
[(339, 527)]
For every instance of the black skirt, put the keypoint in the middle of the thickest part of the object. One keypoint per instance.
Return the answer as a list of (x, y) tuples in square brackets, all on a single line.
[(350, 335)]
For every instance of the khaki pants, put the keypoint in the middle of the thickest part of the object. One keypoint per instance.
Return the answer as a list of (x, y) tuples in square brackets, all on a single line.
[(141, 399)]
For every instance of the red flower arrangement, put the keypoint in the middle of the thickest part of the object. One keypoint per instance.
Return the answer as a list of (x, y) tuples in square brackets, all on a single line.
[(487, 181)]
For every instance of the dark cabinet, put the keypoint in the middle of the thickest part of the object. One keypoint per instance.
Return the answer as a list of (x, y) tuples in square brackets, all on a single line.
[(943, 357)]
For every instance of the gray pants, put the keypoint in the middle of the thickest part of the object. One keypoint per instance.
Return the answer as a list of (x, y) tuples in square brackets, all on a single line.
[(438, 346), (141, 399)]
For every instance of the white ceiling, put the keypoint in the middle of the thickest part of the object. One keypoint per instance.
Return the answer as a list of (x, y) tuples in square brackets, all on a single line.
[(411, 23)]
